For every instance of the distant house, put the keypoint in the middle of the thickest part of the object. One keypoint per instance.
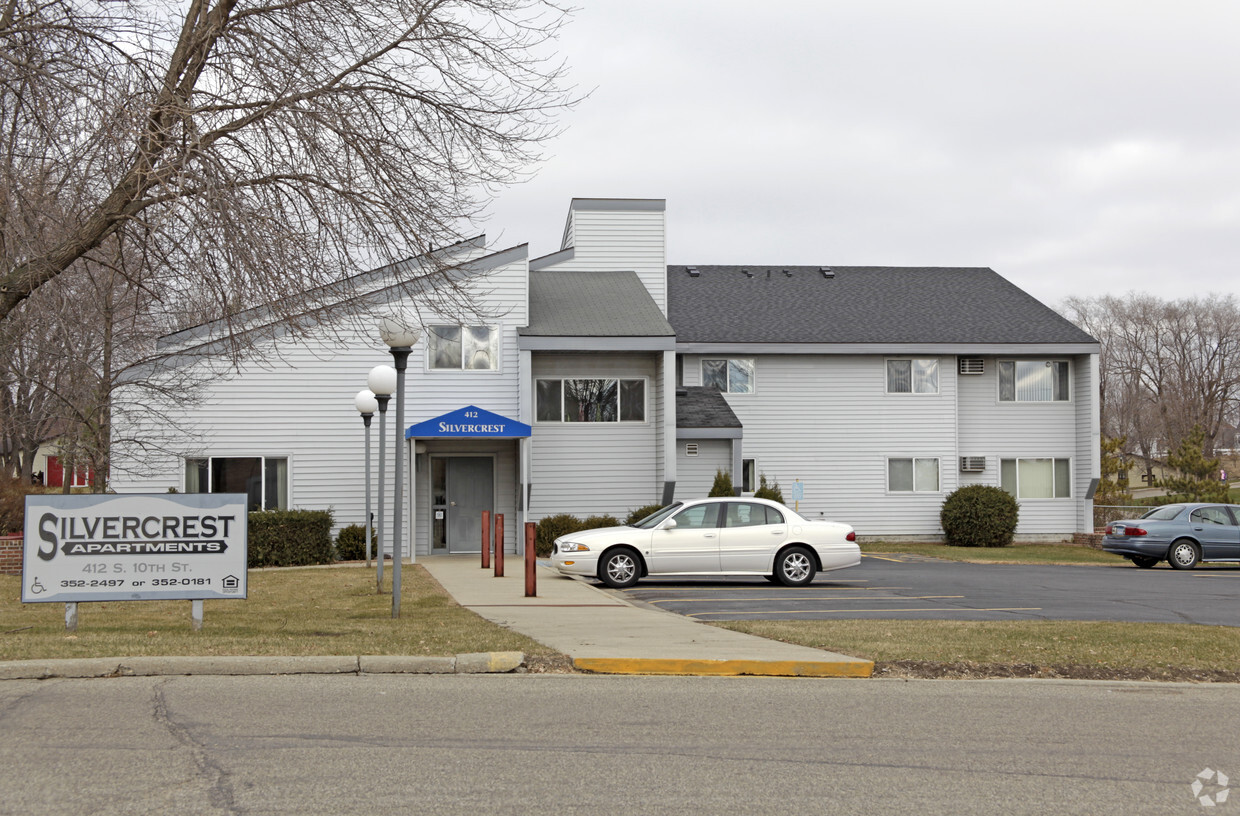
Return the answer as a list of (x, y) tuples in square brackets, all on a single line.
[(609, 380)]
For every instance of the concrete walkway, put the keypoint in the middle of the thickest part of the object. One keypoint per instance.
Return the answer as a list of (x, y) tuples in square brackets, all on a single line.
[(604, 633)]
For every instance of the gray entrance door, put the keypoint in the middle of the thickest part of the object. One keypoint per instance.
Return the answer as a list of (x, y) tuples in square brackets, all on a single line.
[(470, 489)]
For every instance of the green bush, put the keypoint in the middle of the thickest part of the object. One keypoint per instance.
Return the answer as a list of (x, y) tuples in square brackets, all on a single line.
[(641, 512), (595, 522), (351, 543), (722, 485), (551, 528), (768, 491), (979, 516), (290, 538), (12, 504)]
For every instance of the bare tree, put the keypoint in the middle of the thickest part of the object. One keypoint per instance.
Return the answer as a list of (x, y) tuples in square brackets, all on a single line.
[(262, 151), (1167, 367)]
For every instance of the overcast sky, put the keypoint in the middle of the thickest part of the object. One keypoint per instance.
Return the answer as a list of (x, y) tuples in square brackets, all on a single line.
[(1077, 148)]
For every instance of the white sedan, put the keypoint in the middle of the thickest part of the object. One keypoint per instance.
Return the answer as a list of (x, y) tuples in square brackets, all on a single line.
[(723, 536)]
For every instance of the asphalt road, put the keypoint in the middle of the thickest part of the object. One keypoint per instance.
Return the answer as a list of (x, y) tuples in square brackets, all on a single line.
[(564, 744), (911, 587)]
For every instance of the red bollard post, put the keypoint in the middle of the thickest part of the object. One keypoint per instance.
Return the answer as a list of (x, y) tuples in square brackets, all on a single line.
[(486, 539), (499, 545), (531, 579)]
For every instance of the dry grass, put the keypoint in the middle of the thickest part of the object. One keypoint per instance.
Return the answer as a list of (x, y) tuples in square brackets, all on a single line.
[(1013, 554), (288, 612), (1105, 645)]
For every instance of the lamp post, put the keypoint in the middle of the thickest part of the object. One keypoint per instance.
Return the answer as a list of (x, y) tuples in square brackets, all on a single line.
[(366, 405), (382, 382), (400, 338)]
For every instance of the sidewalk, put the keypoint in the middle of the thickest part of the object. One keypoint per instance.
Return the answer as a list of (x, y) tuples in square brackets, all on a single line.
[(603, 633)]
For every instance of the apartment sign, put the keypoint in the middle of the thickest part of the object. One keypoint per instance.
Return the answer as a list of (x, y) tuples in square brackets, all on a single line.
[(103, 547)]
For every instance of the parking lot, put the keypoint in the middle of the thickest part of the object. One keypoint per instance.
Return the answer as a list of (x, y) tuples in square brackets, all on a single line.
[(915, 587)]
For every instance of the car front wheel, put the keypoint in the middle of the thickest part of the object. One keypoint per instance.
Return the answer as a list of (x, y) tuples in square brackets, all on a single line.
[(1184, 555), (795, 567), (619, 568), (1145, 562)]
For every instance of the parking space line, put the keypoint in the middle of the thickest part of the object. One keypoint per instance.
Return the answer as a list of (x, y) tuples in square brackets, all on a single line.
[(807, 598), (882, 558), (889, 609)]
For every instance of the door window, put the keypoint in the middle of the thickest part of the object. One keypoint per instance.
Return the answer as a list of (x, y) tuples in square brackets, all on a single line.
[(698, 517)]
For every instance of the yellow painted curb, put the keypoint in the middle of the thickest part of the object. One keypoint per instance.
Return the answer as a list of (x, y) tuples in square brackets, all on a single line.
[(729, 668)]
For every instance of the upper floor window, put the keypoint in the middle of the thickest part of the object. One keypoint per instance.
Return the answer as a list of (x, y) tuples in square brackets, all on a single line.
[(472, 348), (912, 376), (729, 376), (1033, 380), (591, 400)]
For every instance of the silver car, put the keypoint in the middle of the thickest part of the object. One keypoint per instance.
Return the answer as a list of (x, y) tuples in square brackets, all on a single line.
[(1181, 534)]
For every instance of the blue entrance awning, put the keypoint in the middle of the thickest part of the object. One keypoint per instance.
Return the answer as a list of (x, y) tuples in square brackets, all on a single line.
[(470, 422)]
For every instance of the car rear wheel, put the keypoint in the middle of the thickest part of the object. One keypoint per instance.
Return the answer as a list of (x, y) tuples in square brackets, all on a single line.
[(1184, 554), (619, 568), (795, 566), (1145, 562)]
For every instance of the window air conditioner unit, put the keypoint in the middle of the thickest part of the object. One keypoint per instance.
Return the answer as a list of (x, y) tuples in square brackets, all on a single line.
[(972, 464), (971, 365)]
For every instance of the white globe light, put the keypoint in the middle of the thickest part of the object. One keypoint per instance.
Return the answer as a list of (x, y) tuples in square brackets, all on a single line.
[(397, 333), (366, 402), (382, 380)]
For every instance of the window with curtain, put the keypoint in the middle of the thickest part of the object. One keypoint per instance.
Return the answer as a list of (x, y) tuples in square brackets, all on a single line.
[(463, 348), (1036, 478), (913, 475), (729, 376), (1033, 380), (912, 376)]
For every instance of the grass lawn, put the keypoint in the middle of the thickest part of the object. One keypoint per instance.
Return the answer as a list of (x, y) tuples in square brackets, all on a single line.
[(1075, 648), (288, 612), (1015, 554)]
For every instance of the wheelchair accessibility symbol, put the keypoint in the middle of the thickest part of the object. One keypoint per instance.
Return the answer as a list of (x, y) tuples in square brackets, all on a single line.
[(36, 588)]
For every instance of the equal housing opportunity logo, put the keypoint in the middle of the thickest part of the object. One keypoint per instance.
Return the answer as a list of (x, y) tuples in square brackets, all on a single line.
[(1210, 788)]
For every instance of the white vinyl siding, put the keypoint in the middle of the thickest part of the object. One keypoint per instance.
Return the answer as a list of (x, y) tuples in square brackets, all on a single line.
[(590, 468), (616, 239), (1020, 430), (321, 435), (828, 421), (696, 474)]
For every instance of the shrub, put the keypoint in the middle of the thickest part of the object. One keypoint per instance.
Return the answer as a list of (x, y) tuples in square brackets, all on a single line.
[(351, 543), (13, 504), (641, 512), (768, 491), (551, 528), (722, 485), (979, 516), (595, 522), (289, 538)]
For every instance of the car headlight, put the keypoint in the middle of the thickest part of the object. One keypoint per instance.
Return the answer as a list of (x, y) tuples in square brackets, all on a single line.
[(568, 546)]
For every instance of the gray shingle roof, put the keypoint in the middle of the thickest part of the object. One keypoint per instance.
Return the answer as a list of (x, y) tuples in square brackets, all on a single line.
[(592, 304), (698, 407), (860, 304)]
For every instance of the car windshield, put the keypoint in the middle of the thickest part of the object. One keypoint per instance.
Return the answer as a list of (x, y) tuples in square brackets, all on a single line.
[(657, 516), (1165, 513)]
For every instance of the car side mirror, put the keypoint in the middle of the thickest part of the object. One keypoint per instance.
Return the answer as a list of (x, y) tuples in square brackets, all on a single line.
[(670, 524)]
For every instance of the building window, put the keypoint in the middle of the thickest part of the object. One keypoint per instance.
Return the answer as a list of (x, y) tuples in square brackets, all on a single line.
[(913, 475), (749, 470), (264, 479), (1033, 380), (590, 400), (1036, 478), (912, 376), (468, 348), (728, 376)]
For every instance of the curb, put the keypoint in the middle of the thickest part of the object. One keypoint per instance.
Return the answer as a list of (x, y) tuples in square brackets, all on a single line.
[(726, 668), (472, 663)]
